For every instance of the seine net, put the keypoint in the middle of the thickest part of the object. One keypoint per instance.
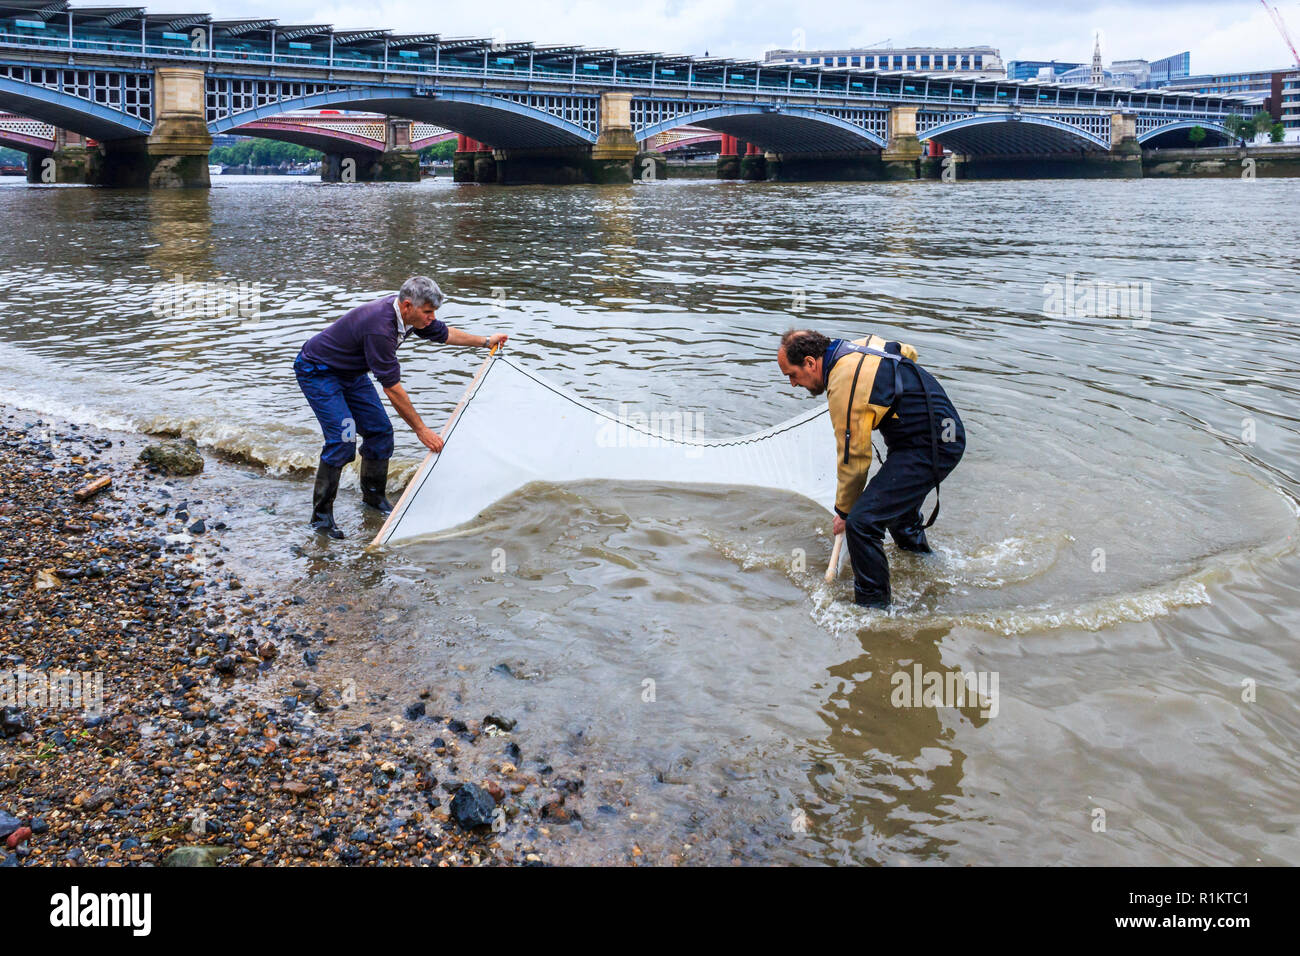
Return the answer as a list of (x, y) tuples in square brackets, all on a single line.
[(513, 427)]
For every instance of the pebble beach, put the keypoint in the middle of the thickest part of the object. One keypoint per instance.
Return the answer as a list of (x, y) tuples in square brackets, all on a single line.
[(160, 710)]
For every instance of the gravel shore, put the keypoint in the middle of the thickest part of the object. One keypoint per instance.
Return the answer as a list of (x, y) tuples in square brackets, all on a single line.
[(214, 744)]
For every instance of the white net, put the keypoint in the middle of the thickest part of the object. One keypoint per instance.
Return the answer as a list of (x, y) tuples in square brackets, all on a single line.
[(514, 427)]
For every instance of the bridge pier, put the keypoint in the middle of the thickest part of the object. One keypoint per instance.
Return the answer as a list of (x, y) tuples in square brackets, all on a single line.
[(753, 165), (613, 158), (36, 164), (72, 162), (399, 163), (175, 154), (651, 166), (901, 159), (729, 158), (462, 161), (863, 165), (549, 166)]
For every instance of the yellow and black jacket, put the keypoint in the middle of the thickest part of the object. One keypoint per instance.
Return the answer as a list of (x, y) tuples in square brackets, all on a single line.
[(874, 384)]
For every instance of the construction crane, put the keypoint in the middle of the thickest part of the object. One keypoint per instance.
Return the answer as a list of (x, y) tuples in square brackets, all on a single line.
[(1281, 28)]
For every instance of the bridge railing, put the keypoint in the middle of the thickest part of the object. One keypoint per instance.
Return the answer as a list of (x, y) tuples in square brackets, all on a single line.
[(774, 82)]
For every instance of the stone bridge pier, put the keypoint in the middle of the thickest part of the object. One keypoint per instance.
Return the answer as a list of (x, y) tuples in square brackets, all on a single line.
[(70, 162), (174, 155), (398, 163)]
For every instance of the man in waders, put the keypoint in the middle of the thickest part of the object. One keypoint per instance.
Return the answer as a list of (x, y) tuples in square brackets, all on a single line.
[(331, 371), (873, 384)]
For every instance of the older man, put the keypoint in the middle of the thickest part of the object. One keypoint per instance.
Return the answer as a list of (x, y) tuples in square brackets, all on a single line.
[(331, 371), (873, 384)]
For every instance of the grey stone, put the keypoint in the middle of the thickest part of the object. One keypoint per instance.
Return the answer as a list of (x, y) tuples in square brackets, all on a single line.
[(174, 457)]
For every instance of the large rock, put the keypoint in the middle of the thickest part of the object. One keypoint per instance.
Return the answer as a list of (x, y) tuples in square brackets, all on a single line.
[(8, 824), (174, 457), (472, 807), (14, 721)]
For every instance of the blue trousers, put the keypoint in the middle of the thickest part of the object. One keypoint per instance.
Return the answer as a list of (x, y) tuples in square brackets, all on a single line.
[(346, 406)]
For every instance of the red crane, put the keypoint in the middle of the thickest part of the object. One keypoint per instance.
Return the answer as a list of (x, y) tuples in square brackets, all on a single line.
[(1281, 28)]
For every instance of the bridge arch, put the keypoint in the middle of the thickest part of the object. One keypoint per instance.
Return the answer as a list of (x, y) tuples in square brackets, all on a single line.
[(1214, 129), (503, 123), (690, 141), (24, 143), (1013, 134), (787, 129), (69, 112), (305, 134)]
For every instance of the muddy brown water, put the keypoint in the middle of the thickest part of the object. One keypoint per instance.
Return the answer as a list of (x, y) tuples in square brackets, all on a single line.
[(1116, 557)]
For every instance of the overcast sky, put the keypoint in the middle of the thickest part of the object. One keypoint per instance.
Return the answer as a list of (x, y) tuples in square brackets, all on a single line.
[(1221, 34)]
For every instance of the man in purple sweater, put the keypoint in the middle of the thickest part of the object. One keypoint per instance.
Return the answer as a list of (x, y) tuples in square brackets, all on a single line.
[(331, 371)]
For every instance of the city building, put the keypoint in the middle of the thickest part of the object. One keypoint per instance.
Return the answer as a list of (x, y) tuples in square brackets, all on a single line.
[(1140, 70), (1137, 74), (1170, 68), (1263, 82), (966, 61), (1291, 105), (1038, 69)]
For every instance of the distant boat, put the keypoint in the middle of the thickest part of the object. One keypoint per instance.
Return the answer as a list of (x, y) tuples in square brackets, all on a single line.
[(12, 170), (215, 170)]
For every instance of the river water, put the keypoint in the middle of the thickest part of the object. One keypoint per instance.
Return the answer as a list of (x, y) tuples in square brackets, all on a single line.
[(1116, 555)]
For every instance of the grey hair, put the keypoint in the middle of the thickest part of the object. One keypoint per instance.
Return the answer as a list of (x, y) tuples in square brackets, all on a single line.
[(421, 291)]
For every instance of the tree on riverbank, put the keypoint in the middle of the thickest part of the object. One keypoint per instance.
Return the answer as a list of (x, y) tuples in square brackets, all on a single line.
[(12, 157), (1245, 131), (1196, 136), (439, 151), (262, 152), (1239, 128)]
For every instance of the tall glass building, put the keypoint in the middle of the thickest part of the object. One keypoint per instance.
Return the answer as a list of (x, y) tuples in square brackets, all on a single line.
[(1034, 69), (1171, 68)]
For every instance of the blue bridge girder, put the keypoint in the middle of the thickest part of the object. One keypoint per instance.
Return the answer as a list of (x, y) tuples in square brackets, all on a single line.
[(91, 69), (503, 121), (105, 104)]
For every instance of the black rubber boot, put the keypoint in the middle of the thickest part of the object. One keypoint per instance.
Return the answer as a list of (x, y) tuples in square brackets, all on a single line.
[(909, 535), (322, 500), (374, 484)]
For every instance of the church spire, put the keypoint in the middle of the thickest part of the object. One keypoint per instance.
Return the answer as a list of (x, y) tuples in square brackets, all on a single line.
[(1098, 74)]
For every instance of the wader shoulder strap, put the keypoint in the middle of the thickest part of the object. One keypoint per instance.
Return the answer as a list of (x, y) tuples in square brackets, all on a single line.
[(898, 361)]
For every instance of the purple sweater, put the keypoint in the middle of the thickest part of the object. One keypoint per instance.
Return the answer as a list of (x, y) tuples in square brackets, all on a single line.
[(366, 339)]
